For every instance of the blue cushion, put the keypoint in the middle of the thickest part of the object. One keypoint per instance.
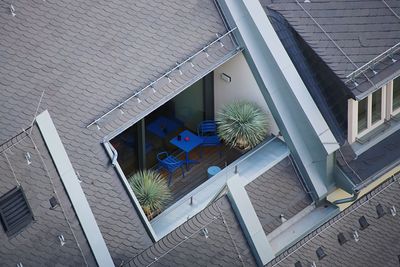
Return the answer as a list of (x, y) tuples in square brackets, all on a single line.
[(210, 140)]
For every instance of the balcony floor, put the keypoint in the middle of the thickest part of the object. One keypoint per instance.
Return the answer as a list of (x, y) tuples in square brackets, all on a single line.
[(248, 167), (197, 174)]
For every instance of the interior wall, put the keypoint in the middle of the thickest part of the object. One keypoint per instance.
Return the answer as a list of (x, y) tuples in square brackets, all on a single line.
[(242, 86)]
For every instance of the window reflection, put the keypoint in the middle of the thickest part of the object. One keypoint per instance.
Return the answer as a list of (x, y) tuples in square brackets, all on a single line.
[(396, 93), (362, 114), (376, 106)]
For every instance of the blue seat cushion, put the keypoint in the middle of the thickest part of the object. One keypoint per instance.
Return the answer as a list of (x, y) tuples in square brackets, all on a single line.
[(210, 140)]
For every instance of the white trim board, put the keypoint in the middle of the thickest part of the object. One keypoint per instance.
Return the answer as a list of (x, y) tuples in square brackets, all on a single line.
[(74, 190)]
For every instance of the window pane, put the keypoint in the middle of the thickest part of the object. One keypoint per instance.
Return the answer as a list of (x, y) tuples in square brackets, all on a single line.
[(126, 145), (362, 114), (376, 106), (396, 93), (182, 113)]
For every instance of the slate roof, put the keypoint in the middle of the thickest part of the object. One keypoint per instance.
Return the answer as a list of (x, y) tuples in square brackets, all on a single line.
[(223, 244), (275, 192), (85, 57), (327, 91), (355, 33), (371, 164), (37, 244), (378, 244)]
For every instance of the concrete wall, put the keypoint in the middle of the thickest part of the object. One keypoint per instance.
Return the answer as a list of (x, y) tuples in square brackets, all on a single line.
[(243, 86)]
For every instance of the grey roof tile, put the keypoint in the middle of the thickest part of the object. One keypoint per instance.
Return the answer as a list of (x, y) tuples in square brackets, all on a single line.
[(361, 29), (88, 57), (378, 244), (275, 192), (38, 244), (188, 246)]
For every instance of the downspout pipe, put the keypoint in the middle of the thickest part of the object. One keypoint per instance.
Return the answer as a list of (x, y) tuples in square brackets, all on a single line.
[(356, 192), (114, 157)]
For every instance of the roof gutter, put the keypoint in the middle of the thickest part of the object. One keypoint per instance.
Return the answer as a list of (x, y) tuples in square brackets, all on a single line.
[(377, 175)]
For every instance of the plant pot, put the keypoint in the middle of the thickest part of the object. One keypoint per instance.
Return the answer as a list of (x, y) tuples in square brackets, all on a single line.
[(242, 124), (153, 214)]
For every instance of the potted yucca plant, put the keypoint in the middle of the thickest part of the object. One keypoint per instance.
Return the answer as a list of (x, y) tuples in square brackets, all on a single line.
[(242, 124), (151, 190)]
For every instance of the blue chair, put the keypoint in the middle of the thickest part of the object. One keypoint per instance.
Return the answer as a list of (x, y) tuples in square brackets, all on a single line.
[(207, 130), (170, 163)]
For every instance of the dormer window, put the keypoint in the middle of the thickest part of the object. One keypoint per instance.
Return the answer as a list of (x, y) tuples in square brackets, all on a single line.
[(394, 96), (370, 112)]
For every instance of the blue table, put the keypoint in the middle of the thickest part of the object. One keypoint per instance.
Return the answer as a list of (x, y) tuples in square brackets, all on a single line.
[(187, 146), (163, 126)]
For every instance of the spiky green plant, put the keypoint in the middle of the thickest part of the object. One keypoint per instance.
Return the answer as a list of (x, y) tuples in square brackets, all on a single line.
[(151, 190), (242, 124)]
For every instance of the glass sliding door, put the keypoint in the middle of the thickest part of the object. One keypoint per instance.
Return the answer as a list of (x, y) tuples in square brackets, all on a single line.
[(189, 106), (127, 146), (139, 145), (184, 112)]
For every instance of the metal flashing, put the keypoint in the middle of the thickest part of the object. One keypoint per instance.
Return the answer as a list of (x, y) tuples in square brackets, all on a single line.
[(378, 83), (249, 166), (109, 148), (301, 123), (249, 221), (74, 190)]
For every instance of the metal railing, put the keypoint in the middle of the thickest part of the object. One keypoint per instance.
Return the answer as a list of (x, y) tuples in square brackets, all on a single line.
[(165, 75), (14, 140), (227, 172), (372, 63)]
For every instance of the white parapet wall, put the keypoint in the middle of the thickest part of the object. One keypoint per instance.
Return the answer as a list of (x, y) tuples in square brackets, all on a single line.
[(242, 86)]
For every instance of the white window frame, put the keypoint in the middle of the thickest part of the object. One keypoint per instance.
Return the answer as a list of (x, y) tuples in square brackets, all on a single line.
[(389, 109), (353, 133)]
